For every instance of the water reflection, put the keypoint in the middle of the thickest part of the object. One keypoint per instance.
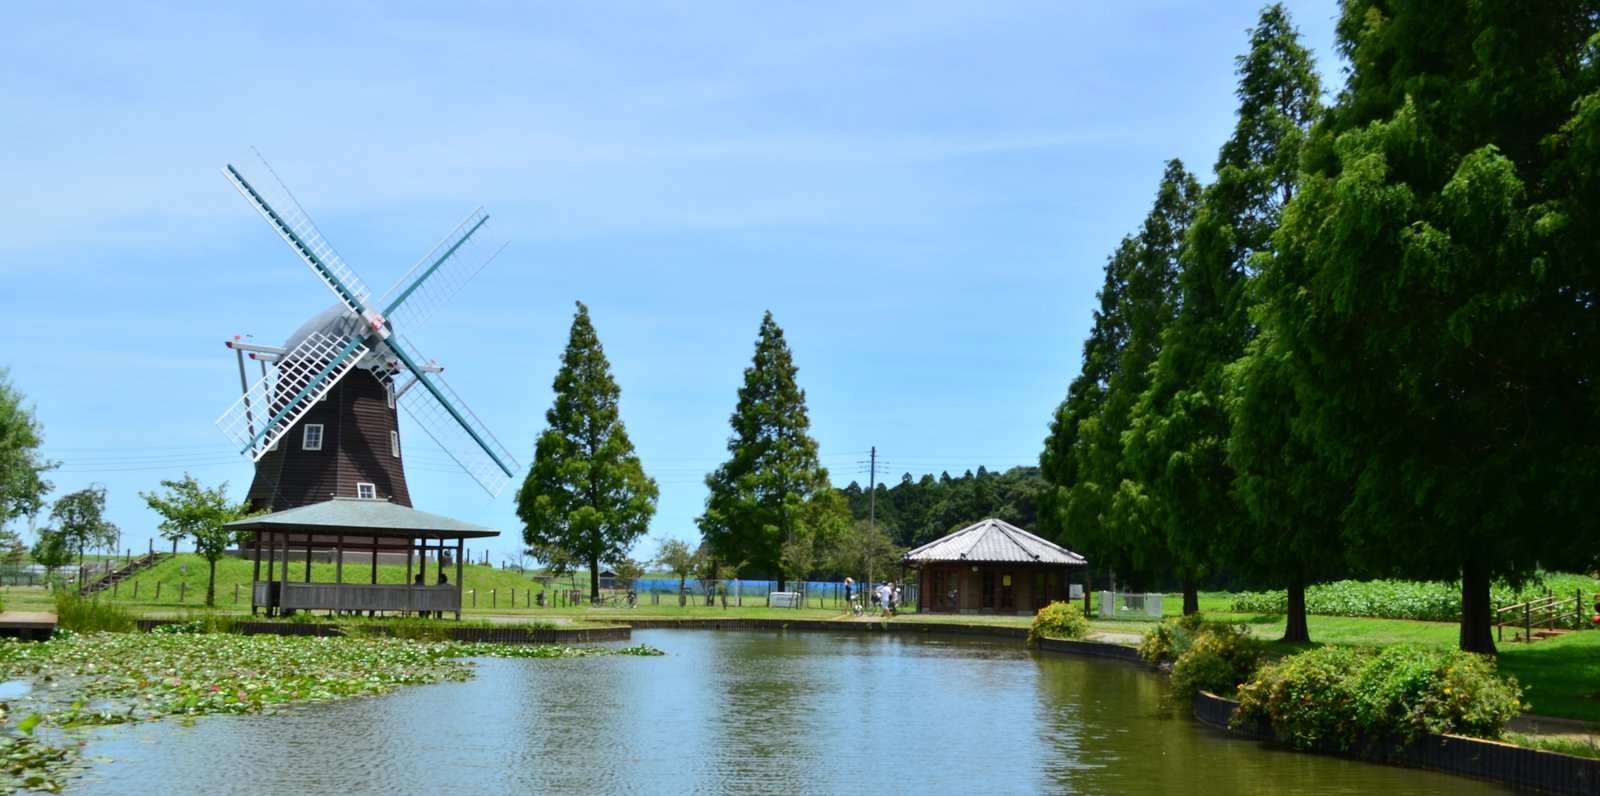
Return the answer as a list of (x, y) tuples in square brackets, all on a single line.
[(734, 712)]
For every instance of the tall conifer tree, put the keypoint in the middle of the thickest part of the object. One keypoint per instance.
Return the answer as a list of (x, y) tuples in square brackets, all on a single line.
[(1432, 293), (1177, 447), (772, 492), (586, 493), (1098, 510)]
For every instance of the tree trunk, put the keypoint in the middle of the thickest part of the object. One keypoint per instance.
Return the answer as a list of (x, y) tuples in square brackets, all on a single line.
[(1477, 634), (1137, 583), (1296, 631), (594, 579), (1191, 597), (211, 586)]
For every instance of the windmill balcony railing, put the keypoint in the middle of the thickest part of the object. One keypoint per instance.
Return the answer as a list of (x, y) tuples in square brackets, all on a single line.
[(359, 597)]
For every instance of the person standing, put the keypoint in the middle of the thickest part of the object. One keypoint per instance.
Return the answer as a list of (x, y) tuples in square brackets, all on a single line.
[(884, 595)]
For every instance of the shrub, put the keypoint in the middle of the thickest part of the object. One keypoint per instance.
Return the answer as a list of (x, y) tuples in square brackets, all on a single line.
[(88, 615), (1220, 657), (1166, 641), (1058, 620), (1338, 696)]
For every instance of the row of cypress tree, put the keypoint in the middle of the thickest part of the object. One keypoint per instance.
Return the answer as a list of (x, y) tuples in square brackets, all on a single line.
[(587, 500), (1370, 342)]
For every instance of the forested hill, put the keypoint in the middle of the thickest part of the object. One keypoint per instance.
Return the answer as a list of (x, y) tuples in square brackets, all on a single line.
[(916, 511)]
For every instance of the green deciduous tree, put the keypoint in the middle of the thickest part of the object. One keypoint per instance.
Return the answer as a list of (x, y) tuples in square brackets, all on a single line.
[(79, 518), (1177, 447), (1432, 295), (586, 492), (918, 510), (189, 509), (51, 550), (680, 559), (865, 552), (22, 469), (772, 491)]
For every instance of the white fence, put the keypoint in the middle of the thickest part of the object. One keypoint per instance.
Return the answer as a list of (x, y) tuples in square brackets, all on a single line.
[(1122, 605)]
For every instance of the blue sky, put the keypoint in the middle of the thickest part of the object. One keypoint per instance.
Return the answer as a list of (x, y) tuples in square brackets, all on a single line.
[(923, 194)]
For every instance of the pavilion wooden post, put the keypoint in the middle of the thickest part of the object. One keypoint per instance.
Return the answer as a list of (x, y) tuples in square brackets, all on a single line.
[(410, 597), (460, 547), (308, 557), (285, 572), (338, 568), (259, 538), (255, 573), (374, 560)]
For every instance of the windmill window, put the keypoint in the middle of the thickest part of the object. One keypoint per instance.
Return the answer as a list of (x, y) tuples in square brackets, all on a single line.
[(366, 491), (390, 392), (394, 444), (312, 441)]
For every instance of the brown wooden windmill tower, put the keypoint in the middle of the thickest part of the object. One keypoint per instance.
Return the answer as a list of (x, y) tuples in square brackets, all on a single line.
[(321, 422)]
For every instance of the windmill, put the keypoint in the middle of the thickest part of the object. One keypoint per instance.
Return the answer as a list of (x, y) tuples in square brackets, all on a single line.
[(321, 421)]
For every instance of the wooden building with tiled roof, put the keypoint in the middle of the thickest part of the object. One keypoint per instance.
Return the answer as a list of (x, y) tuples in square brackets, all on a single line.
[(993, 567)]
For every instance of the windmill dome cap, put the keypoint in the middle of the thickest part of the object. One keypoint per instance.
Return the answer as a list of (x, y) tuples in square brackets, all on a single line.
[(337, 321)]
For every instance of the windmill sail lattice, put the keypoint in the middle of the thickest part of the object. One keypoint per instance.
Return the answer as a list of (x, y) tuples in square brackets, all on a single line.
[(360, 336), (441, 274), (272, 199), (266, 412)]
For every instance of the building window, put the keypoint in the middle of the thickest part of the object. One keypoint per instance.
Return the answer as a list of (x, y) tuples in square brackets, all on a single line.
[(389, 389), (394, 444), (366, 491), (312, 441)]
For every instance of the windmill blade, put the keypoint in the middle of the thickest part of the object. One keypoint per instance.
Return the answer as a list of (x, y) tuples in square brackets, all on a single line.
[(271, 406), (271, 198), (442, 273), (452, 425)]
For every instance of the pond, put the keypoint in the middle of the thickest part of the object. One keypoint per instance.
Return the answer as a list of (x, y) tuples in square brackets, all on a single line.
[(746, 712)]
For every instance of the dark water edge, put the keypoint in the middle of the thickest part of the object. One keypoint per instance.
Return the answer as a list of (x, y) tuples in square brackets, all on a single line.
[(747, 712)]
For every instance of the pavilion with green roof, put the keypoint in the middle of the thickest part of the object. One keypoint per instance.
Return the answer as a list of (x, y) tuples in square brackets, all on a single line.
[(342, 525)]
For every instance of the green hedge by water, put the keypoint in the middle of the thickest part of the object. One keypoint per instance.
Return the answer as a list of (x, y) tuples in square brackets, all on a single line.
[(1405, 599), (1345, 696)]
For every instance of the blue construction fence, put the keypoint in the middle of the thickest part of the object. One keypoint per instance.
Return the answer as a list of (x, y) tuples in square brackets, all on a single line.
[(816, 594)]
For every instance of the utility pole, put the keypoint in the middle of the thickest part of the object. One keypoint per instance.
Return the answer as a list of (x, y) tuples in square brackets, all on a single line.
[(872, 508), (872, 491)]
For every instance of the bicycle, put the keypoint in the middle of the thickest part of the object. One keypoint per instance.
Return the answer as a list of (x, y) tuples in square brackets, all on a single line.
[(629, 600)]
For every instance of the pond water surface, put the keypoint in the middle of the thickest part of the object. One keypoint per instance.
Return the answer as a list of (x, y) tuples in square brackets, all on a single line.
[(746, 712)]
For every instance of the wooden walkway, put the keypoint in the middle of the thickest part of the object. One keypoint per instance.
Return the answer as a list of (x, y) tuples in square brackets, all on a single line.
[(27, 625)]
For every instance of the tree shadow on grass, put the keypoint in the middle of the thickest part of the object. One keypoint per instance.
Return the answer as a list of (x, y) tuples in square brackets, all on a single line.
[(1258, 619)]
